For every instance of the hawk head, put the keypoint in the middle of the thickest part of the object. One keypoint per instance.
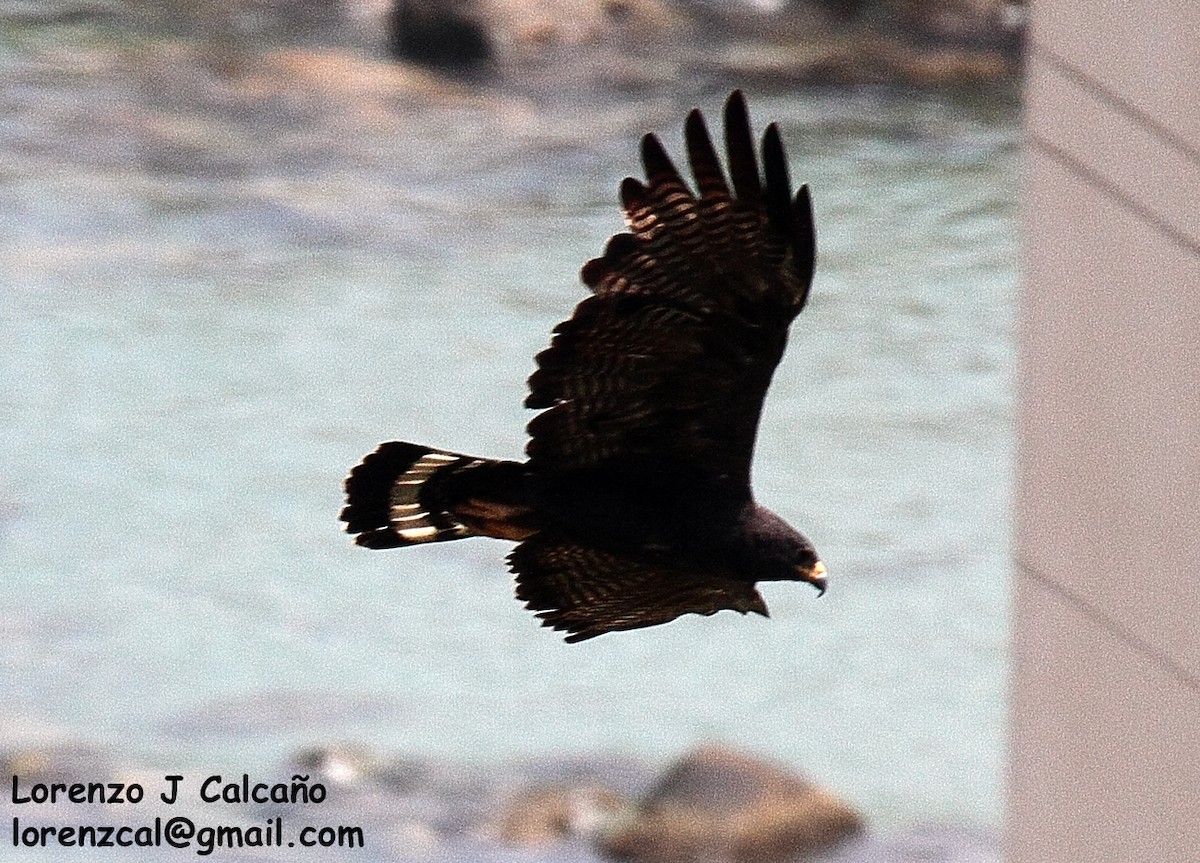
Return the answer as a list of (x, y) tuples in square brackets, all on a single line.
[(775, 551)]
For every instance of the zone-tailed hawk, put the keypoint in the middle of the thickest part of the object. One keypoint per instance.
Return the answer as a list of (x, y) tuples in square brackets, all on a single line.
[(634, 505)]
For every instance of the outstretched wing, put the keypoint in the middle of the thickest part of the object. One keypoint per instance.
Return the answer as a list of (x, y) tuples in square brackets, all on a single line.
[(587, 592), (672, 356)]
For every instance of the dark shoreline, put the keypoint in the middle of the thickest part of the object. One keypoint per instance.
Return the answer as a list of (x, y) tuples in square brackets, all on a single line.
[(535, 809), (618, 45)]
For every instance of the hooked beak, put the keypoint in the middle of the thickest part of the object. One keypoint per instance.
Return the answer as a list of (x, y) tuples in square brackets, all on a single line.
[(815, 576)]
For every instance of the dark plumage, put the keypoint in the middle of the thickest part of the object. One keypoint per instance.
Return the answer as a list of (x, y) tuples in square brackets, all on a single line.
[(634, 505)]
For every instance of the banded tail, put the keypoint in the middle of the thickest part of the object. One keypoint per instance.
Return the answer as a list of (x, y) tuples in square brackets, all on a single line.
[(408, 494)]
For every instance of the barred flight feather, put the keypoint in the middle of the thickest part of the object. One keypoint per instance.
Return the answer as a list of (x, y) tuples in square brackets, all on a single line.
[(586, 591)]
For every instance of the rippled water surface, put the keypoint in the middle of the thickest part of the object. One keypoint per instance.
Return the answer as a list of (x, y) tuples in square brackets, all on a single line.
[(225, 278)]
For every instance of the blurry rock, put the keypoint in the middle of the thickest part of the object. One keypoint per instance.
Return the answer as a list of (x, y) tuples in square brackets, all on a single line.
[(247, 23), (530, 25), (952, 68), (337, 764), (468, 35), (896, 43), (355, 767), (545, 815), (843, 10), (56, 762), (718, 804), (445, 33), (878, 60), (963, 23)]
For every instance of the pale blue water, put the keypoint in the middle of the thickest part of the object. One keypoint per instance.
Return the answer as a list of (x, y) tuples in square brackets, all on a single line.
[(219, 289)]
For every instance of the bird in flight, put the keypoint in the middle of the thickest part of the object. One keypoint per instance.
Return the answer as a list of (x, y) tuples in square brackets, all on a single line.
[(634, 504)]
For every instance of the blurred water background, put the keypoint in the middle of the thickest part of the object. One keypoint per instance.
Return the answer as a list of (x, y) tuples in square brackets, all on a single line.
[(227, 273)]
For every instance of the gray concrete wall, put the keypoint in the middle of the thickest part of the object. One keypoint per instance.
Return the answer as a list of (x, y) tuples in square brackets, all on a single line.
[(1105, 730)]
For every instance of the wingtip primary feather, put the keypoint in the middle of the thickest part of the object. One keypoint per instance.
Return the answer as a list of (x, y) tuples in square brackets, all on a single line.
[(658, 165), (739, 144), (779, 183), (805, 232), (633, 194), (702, 157), (775, 159)]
